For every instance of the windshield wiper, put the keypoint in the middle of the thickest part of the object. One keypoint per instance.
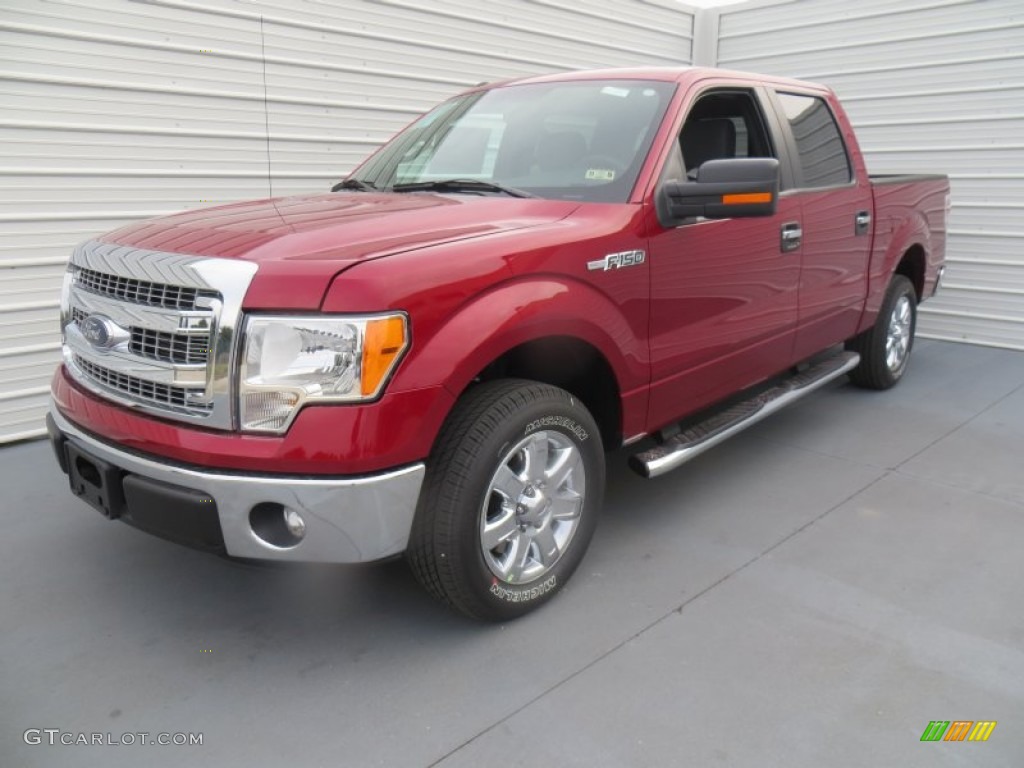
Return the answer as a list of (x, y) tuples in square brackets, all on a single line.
[(460, 185), (362, 186)]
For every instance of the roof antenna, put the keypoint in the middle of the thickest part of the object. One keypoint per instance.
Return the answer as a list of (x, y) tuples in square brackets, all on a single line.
[(266, 107)]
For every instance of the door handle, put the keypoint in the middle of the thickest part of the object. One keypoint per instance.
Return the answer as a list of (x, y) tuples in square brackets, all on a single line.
[(792, 236), (861, 222)]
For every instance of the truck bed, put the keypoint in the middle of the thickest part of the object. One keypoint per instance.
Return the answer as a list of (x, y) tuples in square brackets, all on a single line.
[(878, 179)]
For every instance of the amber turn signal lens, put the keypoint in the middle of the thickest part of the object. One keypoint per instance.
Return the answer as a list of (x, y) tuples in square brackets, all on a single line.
[(747, 198), (383, 343)]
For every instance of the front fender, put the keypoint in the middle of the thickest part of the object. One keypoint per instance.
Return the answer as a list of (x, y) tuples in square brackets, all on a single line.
[(471, 302), (516, 312), (523, 310)]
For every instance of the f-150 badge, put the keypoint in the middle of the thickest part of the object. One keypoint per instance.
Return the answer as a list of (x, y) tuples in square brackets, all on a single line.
[(617, 261)]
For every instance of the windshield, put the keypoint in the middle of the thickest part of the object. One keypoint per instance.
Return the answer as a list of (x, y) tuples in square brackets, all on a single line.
[(581, 140)]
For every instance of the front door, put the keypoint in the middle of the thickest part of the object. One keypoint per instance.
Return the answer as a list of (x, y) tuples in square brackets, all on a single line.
[(723, 293)]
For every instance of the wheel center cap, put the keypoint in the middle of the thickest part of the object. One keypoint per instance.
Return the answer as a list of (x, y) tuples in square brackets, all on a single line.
[(531, 506)]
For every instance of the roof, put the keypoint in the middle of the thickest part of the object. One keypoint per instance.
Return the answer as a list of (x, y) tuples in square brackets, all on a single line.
[(665, 74)]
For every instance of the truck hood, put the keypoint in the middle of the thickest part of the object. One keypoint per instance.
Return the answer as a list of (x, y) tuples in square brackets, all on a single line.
[(301, 243)]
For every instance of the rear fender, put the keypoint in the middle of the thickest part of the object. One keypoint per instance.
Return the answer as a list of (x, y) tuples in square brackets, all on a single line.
[(904, 233)]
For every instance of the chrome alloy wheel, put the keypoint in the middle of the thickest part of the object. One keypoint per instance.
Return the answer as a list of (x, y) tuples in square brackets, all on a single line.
[(532, 507), (897, 339)]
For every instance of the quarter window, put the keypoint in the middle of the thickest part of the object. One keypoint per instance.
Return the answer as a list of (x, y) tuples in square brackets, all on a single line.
[(819, 145)]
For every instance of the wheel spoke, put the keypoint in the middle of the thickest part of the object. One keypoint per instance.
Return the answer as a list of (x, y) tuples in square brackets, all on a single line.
[(508, 483), (519, 558), (566, 506), (500, 530), (905, 313), (537, 456), (544, 538), (565, 464)]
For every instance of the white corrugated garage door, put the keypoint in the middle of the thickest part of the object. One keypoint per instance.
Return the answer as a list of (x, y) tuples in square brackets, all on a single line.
[(931, 86), (112, 110)]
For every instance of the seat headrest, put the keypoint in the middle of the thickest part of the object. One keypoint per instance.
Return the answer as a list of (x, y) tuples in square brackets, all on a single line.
[(710, 139)]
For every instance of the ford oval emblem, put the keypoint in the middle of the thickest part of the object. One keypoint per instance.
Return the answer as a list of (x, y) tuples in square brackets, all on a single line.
[(98, 330)]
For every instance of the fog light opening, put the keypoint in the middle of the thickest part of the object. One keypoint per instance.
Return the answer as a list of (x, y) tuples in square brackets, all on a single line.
[(277, 525)]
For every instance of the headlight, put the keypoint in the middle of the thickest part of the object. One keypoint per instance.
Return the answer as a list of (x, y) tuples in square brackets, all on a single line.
[(289, 361)]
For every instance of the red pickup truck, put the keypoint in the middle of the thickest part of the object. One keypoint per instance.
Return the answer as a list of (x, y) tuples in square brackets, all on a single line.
[(433, 358)]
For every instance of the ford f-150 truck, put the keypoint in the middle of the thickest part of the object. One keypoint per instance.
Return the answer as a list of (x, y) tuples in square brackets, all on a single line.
[(433, 358)]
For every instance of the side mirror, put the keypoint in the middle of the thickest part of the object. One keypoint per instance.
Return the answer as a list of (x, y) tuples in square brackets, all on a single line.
[(724, 189)]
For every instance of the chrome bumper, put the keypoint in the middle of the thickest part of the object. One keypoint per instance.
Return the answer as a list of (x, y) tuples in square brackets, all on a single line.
[(348, 519)]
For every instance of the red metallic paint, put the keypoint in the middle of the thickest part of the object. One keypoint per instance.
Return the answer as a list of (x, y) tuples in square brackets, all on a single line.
[(301, 243), (723, 309), (906, 214), (470, 304), (834, 260), (323, 440), (714, 307)]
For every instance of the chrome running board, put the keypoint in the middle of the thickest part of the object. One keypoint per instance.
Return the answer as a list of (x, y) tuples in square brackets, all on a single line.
[(718, 427)]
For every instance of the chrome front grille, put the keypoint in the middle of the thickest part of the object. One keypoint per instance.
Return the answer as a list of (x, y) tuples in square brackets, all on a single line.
[(155, 331), (172, 347), (140, 291), (159, 345), (160, 394)]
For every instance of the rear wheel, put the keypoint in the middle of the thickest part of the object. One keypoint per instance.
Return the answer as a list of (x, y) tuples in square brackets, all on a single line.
[(885, 348), (510, 500)]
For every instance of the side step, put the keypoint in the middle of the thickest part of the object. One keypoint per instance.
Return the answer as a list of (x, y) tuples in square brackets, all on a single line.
[(719, 427)]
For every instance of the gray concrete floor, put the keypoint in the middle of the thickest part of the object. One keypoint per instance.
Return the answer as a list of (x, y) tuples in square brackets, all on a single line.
[(811, 593)]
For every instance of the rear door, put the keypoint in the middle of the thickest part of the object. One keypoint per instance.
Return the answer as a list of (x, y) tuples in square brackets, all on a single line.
[(723, 293), (836, 210)]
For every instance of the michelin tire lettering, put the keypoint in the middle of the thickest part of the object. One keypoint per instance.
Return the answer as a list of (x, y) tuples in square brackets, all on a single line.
[(557, 421), (523, 595)]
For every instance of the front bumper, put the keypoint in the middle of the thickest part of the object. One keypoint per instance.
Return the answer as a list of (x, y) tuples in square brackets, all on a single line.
[(347, 519)]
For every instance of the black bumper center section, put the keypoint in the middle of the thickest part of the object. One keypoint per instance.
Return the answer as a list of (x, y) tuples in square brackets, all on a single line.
[(172, 512)]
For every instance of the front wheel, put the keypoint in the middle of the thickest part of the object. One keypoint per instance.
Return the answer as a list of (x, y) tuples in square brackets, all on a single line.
[(510, 500), (885, 347)]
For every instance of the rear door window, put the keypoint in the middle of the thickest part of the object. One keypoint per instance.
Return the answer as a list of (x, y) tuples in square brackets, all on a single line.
[(821, 153)]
